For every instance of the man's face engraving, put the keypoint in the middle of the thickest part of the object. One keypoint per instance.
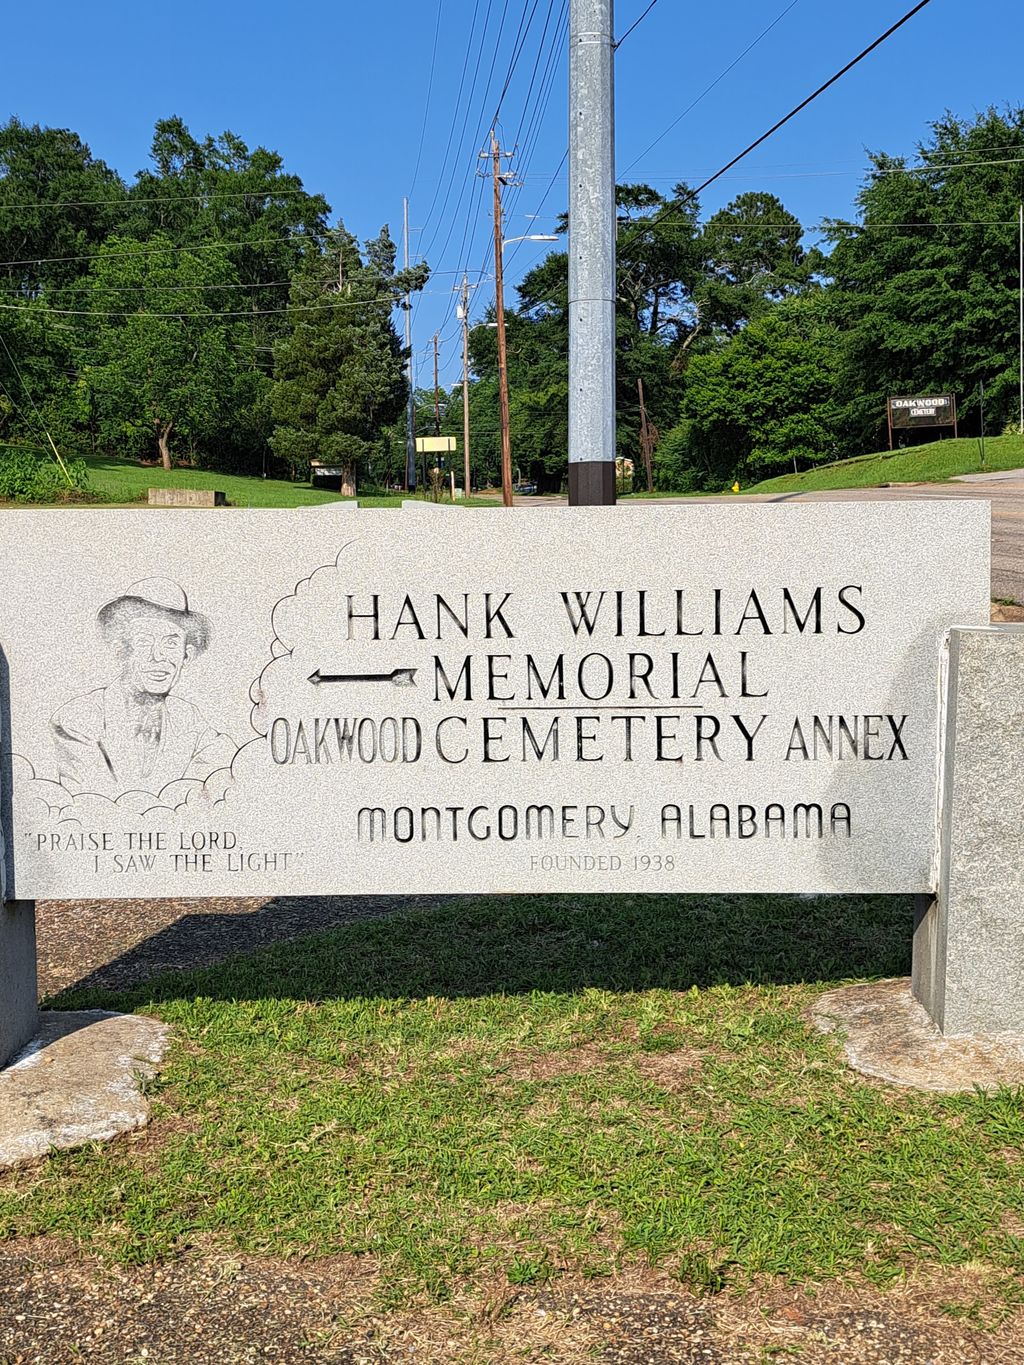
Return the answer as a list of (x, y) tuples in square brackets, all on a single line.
[(154, 651)]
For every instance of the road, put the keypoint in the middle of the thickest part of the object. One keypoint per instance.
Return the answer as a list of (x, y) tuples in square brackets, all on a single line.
[(1004, 490)]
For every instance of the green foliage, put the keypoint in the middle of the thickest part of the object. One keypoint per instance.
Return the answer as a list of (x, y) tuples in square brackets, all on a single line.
[(753, 258), (29, 477), (673, 462), (339, 374), (757, 353), (157, 369), (767, 398), (45, 167), (925, 290)]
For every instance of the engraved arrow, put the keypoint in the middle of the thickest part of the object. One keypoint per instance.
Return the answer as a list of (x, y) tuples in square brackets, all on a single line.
[(398, 677)]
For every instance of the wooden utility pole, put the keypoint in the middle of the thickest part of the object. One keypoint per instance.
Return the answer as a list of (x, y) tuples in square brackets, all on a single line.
[(437, 394), (499, 313), (646, 444), (465, 383)]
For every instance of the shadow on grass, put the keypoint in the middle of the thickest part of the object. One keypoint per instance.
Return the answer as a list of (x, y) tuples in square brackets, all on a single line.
[(486, 945)]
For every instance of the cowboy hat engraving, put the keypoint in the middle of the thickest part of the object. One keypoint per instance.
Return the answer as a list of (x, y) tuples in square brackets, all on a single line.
[(134, 734)]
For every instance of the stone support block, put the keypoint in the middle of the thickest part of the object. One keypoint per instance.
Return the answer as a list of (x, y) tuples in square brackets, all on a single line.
[(19, 1010), (186, 497), (968, 968)]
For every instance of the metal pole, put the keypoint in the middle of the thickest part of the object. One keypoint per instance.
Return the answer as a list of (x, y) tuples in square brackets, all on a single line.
[(465, 382), (591, 253), (499, 313), (410, 412), (437, 394)]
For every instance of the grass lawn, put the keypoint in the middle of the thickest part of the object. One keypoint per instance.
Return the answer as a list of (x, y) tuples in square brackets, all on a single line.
[(523, 1087), (126, 481), (930, 463)]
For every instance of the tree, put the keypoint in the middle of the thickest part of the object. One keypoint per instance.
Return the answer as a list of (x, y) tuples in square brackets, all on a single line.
[(218, 190), (753, 258), (764, 400), (57, 202), (925, 286), (217, 193), (339, 374), (159, 367)]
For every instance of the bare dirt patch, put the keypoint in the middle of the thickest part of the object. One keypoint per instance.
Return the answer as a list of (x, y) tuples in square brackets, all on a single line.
[(117, 944), (59, 1308), (674, 1071), (524, 1064), (1006, 612)]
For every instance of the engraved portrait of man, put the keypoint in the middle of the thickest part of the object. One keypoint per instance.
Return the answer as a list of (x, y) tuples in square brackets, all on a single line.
[(135, 734)]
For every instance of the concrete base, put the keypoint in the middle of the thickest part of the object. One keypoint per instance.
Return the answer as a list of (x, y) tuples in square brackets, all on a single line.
[(889, 1035), (78, 1082), (592, 483), (19, 1010), (186, 497)]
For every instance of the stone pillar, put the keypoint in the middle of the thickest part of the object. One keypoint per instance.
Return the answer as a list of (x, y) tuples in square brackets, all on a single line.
[(19, 1001), (19, 997), (968, 968)]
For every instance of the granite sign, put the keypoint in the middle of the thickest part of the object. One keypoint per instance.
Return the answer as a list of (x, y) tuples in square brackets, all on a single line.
[(659, 698)]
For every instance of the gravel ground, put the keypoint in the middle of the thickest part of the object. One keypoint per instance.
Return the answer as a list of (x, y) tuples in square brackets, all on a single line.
[(59, 1306), (205, 1310)]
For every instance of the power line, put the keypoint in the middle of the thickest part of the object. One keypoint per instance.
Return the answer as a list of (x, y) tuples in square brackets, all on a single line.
[(465, 124), (866, 227), (479, 127), (294, 238), (426, 111), (637, 23), (536, 68), (171, 200), (784, 169), (544, 196), (455, 112), (89, 285), (517, 48), (36, 309), (475, 195), (129, 199), (676, 205), (708, 88), (810, 98), (536, 123)]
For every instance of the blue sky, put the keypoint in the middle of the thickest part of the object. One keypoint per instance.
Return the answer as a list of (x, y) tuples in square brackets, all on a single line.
[(342, 93)]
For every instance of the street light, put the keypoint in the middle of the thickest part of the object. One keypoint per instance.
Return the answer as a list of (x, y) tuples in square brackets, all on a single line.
[(499, 312), (531, 237)]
